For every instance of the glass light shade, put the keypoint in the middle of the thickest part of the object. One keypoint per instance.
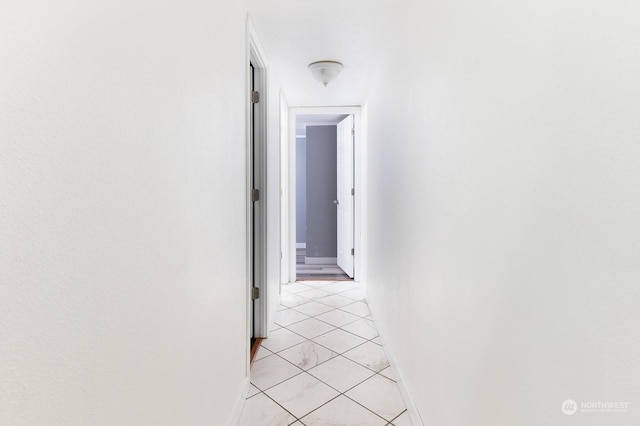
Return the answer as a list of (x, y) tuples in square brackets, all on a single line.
[(325, 71)]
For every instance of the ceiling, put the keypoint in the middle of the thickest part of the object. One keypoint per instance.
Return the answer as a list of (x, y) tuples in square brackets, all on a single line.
[(295, 33), (304, 120)]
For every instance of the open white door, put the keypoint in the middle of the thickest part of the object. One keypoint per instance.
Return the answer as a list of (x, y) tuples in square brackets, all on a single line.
[(345, 201)]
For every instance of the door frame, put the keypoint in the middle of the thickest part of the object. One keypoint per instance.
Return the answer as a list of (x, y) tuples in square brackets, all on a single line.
[(284, 182), (256, 174), (288, 221)]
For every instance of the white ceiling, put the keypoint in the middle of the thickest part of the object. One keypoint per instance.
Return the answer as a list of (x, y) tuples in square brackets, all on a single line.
[(304, 120), (295, 33)]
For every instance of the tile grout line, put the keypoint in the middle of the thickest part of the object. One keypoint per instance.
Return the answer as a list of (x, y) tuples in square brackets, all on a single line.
[(337, 354), (327, 384)]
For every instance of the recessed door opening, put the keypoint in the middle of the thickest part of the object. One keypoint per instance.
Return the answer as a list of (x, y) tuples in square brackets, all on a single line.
[(324, 196), (256, 196), (254, 183), (317, 202)]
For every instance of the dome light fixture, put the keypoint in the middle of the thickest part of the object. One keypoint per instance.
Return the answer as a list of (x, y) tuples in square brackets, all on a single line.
[(325, 71)]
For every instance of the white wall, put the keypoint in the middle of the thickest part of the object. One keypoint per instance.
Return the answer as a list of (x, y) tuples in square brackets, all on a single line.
[(273, 194), (504, 206), (122, 212)]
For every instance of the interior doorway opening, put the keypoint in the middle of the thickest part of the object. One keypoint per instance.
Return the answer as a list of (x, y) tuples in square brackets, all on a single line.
[(323, 219), (318, 164), (256, 194)]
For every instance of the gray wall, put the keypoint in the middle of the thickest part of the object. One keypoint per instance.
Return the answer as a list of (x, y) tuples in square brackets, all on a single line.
[(301, 190), (321, 191)]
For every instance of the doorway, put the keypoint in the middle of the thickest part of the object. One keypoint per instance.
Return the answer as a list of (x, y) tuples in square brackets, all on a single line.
[(324, 215), (256, 195), (315, 250)]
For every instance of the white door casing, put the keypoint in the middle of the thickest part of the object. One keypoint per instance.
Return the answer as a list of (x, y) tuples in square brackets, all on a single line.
[(256, 179), (345, 191), (359, 214)]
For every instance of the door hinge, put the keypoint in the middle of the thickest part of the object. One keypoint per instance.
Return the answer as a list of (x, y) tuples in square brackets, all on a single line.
[(255, 293), (353, 191), (255, 194), (353, 252), (255, 97), (353, 132)]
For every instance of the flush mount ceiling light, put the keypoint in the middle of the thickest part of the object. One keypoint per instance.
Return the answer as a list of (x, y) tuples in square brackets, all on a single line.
[(325, 71)]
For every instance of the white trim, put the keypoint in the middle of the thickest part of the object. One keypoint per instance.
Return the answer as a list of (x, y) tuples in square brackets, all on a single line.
[(360, 183), (284, 190), (321, 261), (248, 225), (412, 410), (321, 123), (255, 55), (236, 413), (301, 245), (291, 196)]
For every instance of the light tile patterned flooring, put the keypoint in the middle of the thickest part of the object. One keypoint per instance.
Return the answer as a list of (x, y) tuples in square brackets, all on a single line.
[(323, 363)]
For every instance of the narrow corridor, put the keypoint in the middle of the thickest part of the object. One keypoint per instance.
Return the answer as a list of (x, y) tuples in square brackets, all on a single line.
[(323, 363)]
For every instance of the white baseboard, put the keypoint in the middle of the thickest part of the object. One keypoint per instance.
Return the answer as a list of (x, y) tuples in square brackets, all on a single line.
[(412, 410), (301, 245), (321, 260), (239, 405)]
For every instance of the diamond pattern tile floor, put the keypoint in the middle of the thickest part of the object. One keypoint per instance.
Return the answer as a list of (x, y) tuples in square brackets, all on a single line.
[(323, 364), (307, 355)]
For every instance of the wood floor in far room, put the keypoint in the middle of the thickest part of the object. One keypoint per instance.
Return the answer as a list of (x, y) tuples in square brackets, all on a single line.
[(328, 272)]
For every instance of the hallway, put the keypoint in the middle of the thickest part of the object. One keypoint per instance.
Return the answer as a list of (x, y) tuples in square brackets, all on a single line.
[(497, 199), (323, 363)]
